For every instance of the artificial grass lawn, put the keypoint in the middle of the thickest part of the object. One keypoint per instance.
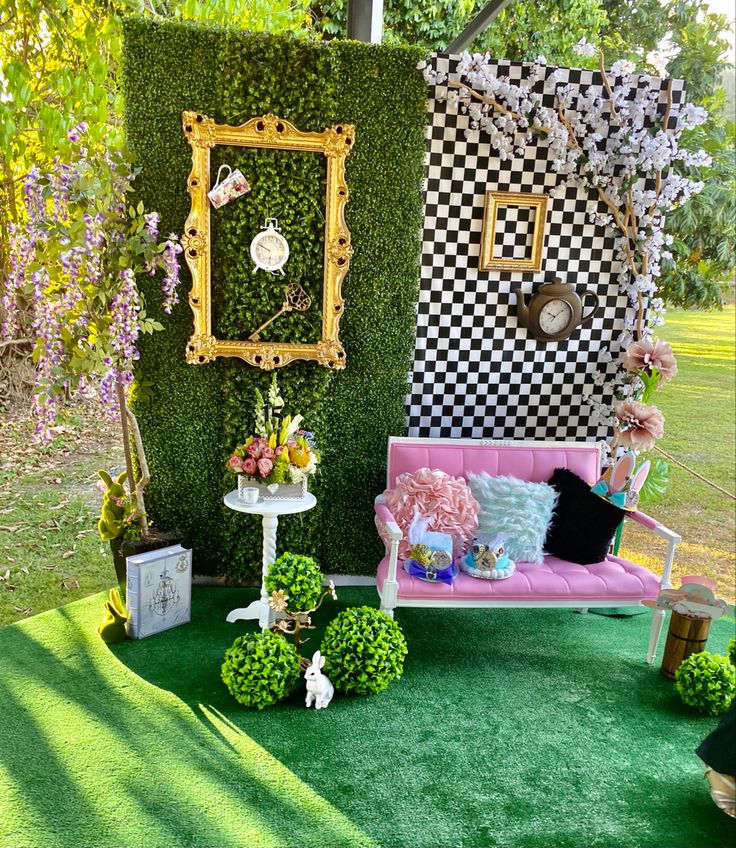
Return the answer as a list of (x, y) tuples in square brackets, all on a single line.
[(700, 431), (509, 728)]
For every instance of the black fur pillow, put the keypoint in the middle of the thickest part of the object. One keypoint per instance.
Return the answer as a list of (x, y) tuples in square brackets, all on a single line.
[(583, 524)]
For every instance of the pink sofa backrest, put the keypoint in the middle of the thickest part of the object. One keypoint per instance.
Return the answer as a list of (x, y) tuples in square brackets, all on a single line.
[(533, 461)]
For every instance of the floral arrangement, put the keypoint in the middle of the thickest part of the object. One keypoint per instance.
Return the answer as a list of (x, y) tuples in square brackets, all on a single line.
[(279, 451), (618, 141)]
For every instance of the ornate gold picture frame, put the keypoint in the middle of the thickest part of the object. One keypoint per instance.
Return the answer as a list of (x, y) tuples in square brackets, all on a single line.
[(502, 200), (267, 131)]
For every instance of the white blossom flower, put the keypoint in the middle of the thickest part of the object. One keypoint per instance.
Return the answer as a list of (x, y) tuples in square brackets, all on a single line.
[(623, 68), (692, 116), (584, 48), (658, 61)]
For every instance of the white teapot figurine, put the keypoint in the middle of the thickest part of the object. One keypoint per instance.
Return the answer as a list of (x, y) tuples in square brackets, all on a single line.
[(319, 688)]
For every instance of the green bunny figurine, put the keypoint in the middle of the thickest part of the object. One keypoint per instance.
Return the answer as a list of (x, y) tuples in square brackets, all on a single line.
[(112, 629)]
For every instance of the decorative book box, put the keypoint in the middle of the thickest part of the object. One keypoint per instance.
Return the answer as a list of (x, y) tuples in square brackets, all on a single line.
[(159, 590)]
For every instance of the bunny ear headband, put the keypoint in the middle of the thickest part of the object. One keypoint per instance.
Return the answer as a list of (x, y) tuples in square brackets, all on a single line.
[(623, 487)]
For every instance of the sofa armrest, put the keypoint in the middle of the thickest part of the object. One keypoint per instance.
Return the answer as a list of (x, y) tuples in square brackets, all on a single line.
[(390, 533), (672, 539)]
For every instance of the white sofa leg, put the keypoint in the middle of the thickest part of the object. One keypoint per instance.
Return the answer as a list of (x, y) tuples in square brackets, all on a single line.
[(389, 595), (654, 634)]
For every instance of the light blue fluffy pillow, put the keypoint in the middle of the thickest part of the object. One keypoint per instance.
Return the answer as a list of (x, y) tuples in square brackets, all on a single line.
[(518, 510)]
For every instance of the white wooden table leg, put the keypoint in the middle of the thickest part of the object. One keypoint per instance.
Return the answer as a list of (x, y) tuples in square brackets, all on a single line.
[(270, 510), (270, 525)]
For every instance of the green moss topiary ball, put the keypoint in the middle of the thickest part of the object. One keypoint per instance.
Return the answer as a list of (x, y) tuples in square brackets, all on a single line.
[(260, 669), (732, 650), (707, 682), (364, 651), (299, 577)]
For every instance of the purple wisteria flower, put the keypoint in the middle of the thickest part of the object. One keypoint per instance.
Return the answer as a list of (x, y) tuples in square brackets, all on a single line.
[(152, 219), (171, 273), (75, 262)]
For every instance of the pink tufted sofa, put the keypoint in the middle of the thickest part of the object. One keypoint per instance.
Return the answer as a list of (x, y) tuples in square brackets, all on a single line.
[(615, 582)]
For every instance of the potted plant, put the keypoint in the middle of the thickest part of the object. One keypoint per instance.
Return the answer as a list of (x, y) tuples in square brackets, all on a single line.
[(121, 524), (73, 267), (294, 584), (280, 456)]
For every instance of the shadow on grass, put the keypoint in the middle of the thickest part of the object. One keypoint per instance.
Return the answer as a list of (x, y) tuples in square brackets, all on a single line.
[(94, 757), (494, 705)]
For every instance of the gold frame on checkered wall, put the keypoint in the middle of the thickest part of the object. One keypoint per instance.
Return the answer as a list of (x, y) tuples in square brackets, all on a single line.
[(497, 199)]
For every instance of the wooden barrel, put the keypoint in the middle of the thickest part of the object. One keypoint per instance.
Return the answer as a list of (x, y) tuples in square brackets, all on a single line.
[(686, 636)]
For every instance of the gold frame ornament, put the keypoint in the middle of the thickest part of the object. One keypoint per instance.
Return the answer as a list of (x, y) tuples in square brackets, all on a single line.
[(496, 199), (267, 131)]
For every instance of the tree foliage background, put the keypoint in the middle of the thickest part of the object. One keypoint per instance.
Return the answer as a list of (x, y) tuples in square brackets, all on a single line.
[(59, 64)]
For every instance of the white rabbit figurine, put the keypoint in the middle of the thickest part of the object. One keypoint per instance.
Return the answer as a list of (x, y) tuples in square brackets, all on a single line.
[(319, 688)]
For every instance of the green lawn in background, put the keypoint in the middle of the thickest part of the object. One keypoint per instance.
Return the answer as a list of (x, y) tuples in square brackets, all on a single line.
[(50, 551), (699, 409)]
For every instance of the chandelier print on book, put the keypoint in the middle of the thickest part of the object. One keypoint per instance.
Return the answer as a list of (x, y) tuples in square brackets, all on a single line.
[(159, 585), (166, 596)]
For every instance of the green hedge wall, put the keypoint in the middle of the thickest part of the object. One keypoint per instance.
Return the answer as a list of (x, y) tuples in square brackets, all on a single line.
[(198, 413)]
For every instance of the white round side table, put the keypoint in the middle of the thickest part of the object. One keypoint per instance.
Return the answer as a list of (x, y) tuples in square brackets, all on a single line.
[(270, 511)]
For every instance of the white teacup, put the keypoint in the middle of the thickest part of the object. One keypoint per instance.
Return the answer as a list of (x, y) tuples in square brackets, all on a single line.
[(234, 185), (249, 495)]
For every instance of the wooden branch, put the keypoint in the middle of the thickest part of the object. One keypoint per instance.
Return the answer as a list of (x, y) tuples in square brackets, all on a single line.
[(145, 477), (9, 342), (9, 182), (606, 83), (489, 100), (132, 487)]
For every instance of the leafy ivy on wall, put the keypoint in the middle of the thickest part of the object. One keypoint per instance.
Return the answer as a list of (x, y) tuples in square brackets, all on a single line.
[(198, 413)]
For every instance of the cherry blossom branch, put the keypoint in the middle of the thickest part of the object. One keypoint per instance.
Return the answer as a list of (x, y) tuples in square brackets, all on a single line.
[(606, 83)]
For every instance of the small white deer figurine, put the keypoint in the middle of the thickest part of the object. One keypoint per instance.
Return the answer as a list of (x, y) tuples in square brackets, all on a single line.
[(319, 688)]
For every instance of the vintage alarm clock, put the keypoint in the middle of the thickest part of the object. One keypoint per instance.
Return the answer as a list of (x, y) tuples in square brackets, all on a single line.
[(269, 250), (555, 310)]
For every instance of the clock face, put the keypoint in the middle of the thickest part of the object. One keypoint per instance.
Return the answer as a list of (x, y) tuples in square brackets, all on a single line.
[(269, 250), (555, 317)]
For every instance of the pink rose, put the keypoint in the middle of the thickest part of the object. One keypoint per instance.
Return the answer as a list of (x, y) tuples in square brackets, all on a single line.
[(643, 356), (249, 466), (235, 463), (269, 453), (264, 467), (279, 450), (640, 424), (255, 447)]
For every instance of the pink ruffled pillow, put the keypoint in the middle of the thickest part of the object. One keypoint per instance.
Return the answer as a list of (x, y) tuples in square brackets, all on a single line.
[(433, 492)]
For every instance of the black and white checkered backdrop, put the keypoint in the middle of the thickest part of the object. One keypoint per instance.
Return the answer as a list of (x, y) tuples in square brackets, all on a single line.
[(476, 372)]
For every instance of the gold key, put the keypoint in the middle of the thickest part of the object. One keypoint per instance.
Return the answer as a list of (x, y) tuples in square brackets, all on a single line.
[(295, 300)]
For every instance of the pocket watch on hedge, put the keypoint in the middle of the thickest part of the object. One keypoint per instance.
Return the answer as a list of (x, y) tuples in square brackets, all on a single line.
[(269, 250)]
